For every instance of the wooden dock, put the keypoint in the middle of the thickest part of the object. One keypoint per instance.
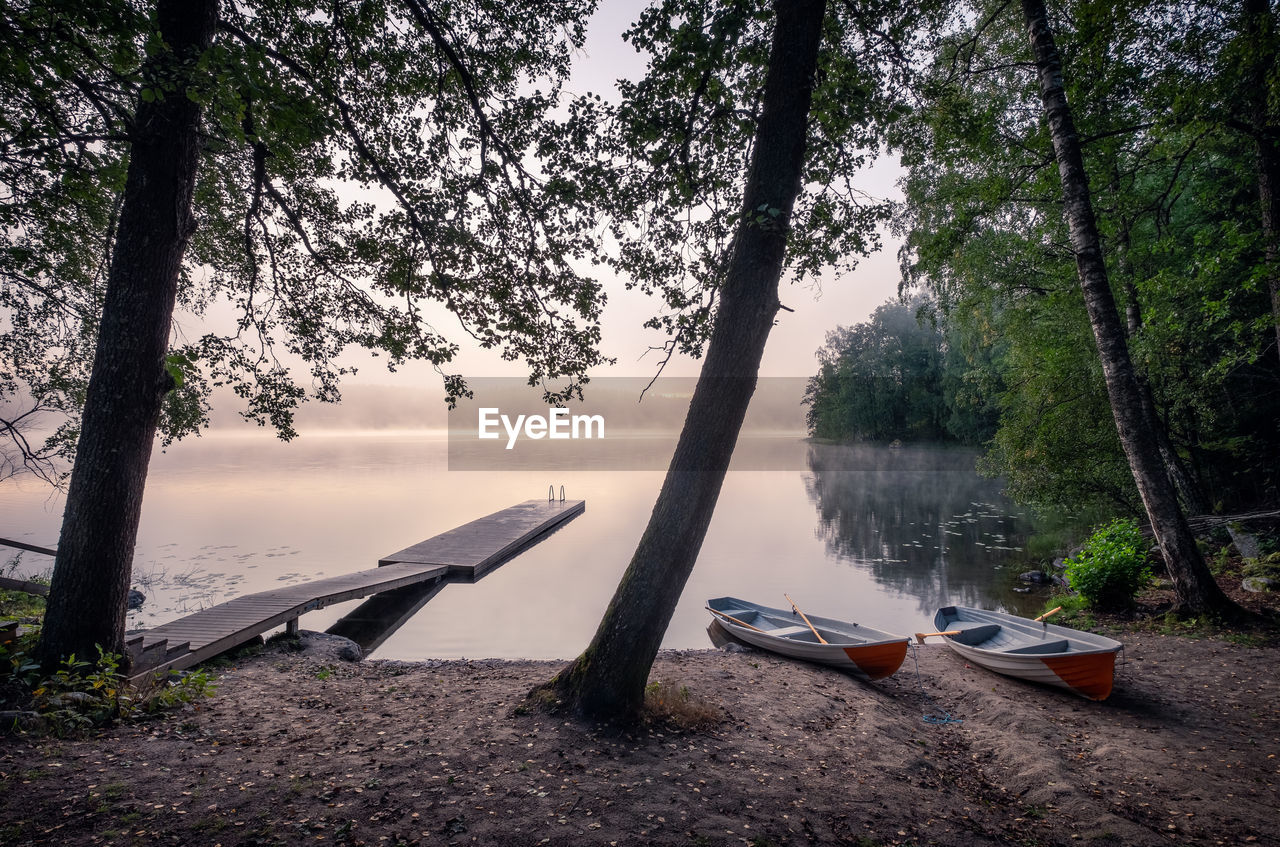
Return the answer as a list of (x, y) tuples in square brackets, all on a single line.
[(463, 554)]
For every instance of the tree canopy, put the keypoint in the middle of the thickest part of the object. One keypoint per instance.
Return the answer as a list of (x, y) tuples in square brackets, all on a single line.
[(367, 169), (1165, 125)]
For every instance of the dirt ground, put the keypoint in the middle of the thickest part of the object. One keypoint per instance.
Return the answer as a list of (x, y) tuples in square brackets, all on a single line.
[(304, 747)]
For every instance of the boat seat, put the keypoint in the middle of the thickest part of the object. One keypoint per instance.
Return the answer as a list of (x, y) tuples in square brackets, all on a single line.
[(1056, 645), (973, 633), (788, 631)]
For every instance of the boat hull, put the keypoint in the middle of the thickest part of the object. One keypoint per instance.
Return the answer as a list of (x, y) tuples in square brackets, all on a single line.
[(862, 651), (1081, 662)]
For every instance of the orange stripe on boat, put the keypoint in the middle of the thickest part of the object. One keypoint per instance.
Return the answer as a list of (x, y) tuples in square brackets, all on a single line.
[(879, 660), (1090, 674)]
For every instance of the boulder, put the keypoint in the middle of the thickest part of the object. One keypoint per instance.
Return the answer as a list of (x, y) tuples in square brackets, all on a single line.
[(1035, 577), (326, 647), (1246, 542), (136, 599)]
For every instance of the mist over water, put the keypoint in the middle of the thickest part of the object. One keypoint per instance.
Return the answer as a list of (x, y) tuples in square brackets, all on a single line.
[(859, 533)]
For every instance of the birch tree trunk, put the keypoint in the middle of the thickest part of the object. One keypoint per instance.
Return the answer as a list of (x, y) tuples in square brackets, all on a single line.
[(607, 681), (88, 594), (1197, 591)]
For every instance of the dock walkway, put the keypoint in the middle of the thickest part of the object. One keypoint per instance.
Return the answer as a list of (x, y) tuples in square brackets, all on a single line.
[(463, 554)]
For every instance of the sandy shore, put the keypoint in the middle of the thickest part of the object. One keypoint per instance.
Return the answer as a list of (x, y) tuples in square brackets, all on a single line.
[(303, 747)]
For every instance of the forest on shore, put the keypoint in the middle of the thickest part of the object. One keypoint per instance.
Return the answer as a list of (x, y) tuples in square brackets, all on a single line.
[(990, 343)]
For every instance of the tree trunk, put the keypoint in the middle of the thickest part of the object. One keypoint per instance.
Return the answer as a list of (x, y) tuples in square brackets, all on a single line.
[(1189, 489), (1259, 26), (88, 594), (607, 681), (1197, 591)]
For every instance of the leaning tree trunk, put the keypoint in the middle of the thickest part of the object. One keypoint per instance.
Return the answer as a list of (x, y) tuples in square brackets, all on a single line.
[(1197, 591), (607, 681), (88, 594)]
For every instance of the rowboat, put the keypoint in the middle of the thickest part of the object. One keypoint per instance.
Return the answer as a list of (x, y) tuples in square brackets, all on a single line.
[(865, 652), (1034, 650)]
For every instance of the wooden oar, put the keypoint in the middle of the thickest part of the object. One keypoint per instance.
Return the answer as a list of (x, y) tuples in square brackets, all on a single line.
[(735, 620), (1049, 613), (921, 636), (821, 640)]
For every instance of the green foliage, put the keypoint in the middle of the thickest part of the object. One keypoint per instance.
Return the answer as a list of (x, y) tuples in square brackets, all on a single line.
[(674, 706), (1073, 610), (668, 162), (1112, 568), (1220, 563), (180, 689), (15, 659), (82, 694), (1265, 566), (1159, 95), (17, 605)]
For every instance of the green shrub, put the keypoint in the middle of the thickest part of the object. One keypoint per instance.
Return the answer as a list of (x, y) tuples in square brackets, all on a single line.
[(80, 695), (180, 688), (1112, 568), (1265, 566)]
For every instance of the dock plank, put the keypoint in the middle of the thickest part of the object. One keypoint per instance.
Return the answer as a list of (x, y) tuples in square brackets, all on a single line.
[(462, 554), (473, 548)]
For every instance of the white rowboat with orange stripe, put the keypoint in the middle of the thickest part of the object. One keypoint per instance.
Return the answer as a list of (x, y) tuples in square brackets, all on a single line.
[(1083, 662), (860, 650)]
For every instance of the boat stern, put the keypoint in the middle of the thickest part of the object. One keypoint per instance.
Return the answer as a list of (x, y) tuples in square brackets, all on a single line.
[(1089, 674), (877, 661)]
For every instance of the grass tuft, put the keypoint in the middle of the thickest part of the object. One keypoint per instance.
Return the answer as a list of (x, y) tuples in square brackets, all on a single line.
[(667, 703)]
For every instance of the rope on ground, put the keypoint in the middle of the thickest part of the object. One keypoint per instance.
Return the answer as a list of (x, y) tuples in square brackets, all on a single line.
[(939, 716)]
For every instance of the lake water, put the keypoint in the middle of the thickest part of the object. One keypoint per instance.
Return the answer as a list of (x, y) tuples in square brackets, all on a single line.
[(876, 535)]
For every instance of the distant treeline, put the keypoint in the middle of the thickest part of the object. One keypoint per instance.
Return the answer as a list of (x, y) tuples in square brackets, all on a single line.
[(1030, 391), (903, 376)]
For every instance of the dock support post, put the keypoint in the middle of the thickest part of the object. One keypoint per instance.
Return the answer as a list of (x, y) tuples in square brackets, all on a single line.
[(291, 628)]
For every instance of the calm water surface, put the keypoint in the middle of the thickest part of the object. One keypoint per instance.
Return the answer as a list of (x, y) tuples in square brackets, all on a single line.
[(866, 534)]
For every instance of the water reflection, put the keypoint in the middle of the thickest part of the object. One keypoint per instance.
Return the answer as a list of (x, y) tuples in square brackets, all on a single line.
[(920, 521), (378, 618)]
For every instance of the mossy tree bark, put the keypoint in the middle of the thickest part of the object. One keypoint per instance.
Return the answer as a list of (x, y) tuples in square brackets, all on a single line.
[(129, 379), (607, 681), (1197, 591)]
